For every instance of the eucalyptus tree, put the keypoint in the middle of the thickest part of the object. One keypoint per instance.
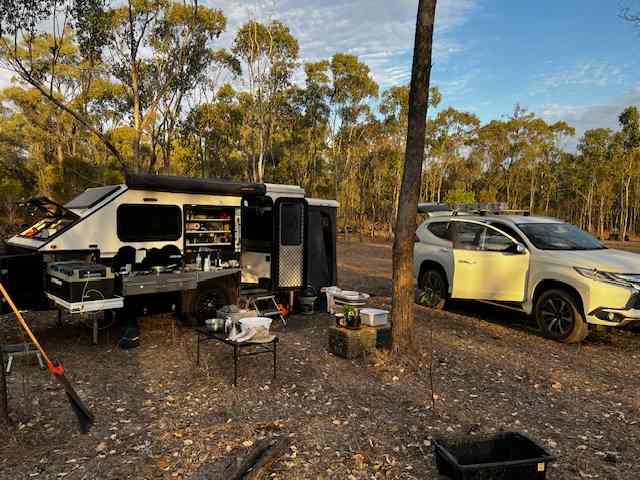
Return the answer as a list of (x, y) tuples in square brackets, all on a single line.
[(629, 139), (26, 26), (158, 50), (306, 112), (594, 173), (451, 134), (394, 106), (352, 90), (268, 56), (211, 133), (403, 292)]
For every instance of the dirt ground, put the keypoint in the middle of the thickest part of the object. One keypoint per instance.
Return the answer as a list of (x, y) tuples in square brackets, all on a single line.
[(161, 416)]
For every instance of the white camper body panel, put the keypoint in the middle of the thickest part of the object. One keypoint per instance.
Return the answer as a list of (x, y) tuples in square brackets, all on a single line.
[(97, 229), (276, 190)]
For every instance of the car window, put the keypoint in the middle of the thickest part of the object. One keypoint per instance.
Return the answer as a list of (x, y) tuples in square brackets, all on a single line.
[(440, 230), (468, 236), (509, 231), (494, 241), (473, 236)]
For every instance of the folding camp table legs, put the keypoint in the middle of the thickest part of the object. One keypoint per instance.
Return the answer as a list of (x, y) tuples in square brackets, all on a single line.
[(11, 351), (203, 335)]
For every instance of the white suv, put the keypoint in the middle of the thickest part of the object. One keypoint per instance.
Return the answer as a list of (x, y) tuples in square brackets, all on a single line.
[(542, 266)]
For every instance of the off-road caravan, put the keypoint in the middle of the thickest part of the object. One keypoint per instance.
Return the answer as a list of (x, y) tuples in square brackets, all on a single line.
[(200, 239)]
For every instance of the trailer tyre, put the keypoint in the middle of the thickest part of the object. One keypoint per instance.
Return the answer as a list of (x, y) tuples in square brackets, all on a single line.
[(559, 317), (207, 304)]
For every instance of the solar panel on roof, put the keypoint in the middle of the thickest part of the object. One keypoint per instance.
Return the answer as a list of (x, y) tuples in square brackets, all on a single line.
[(91, 197)]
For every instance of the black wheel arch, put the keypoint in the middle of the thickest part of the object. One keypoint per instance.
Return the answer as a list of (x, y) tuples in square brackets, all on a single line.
[(549, 284), (432, 265)]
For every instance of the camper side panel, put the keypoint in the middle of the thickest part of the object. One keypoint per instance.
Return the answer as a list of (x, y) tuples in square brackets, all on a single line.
[(99, 229)]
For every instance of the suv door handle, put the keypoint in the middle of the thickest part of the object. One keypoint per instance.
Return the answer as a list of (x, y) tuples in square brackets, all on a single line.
[(445, 250), (469, 262)]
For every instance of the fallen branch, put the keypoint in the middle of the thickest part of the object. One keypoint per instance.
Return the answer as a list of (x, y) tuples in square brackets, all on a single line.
[(260, 458), (263, 465)]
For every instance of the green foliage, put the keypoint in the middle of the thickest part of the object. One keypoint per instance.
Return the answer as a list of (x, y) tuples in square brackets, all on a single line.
[(459, 194)]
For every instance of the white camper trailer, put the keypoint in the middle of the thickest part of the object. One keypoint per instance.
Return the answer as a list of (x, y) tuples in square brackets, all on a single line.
[(203, 237)]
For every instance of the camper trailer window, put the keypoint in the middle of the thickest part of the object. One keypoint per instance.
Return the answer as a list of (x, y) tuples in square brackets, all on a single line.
[(149, 223), (291, 218)]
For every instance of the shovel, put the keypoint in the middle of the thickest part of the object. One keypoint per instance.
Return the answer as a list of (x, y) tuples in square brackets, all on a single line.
[(85, 417)]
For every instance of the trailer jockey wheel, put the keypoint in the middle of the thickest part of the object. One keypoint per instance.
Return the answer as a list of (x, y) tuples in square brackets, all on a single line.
[(207, 304)]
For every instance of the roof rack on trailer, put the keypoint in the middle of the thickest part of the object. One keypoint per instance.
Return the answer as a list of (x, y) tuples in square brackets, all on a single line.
[(452, 209)]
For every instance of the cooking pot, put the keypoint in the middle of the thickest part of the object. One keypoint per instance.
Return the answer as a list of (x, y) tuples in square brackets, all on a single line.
[(215, 324)]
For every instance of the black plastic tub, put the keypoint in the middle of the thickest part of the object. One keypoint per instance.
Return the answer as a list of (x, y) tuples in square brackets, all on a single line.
[(503, 456)]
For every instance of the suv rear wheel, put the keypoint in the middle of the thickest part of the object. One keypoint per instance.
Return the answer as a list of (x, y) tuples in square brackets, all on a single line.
[(434, 285), (559, 317)]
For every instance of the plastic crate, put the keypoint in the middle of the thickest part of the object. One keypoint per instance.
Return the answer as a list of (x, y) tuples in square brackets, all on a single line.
[(351, 343), (374, 317), (503, 456)]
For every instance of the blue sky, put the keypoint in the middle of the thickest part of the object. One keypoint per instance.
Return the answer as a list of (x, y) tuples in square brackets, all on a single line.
[(563, 59)]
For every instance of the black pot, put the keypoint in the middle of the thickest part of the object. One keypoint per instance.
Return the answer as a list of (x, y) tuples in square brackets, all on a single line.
[(352, 320)]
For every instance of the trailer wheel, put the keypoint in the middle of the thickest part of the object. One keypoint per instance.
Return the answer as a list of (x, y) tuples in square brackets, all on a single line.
[(207, 304)]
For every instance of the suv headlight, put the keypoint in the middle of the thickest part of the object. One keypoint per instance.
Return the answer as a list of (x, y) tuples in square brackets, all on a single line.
[(622, 279)]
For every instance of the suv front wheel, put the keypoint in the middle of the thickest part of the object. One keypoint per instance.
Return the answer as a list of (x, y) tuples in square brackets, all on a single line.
[(559, 317)]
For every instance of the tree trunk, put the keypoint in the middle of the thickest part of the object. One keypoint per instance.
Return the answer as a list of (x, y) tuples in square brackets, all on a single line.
[(625, 212), (137, 118), (403, 287), (601, 219), (532, 191)]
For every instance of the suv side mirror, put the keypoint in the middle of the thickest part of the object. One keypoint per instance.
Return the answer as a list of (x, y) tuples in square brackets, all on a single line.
[(520, 249)]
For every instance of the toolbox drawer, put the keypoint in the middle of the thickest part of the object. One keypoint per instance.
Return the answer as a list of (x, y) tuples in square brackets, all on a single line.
[(146, 286)]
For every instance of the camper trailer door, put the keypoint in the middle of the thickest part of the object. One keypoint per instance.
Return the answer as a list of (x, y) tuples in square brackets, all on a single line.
[(288, 269)]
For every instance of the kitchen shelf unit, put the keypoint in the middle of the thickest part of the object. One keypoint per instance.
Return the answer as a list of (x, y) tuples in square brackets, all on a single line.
[(215, 235)]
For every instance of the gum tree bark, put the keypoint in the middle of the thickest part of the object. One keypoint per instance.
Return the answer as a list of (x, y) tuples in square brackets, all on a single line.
[(403, 286)]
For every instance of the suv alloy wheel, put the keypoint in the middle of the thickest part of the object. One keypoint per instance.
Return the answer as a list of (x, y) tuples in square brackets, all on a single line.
[(559, 317)]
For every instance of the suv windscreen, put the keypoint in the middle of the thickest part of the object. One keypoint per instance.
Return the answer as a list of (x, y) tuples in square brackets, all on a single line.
[(559, 236)]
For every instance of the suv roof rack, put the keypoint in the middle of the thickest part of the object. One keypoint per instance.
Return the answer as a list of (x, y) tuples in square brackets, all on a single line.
[(453, 209)]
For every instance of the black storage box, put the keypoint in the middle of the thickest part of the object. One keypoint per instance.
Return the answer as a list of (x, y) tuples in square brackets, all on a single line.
[(503, 456), (79, 281)]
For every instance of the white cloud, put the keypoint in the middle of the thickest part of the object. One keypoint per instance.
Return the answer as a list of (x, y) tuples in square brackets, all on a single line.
[(585, 74), (585, 117), (381, 32)]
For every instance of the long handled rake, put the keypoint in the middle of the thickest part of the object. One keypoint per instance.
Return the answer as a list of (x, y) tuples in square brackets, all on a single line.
[(85, 417)]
